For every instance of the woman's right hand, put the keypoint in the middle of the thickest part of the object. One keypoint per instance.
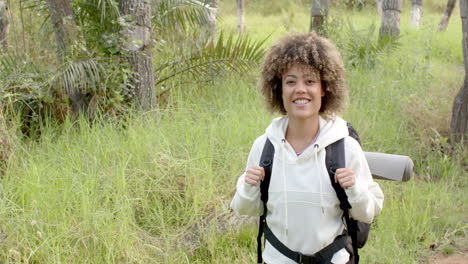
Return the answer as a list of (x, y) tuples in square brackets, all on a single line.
[(254, 174)]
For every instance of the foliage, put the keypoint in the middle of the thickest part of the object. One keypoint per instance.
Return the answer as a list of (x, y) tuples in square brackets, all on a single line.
[(184, 51), (233, 54), (33, 93), (182, 15), (97, 20), (24, 89), (358, 4), (361, 47)]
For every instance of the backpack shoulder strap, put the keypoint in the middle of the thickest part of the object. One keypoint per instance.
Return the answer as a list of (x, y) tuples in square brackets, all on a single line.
[(335, 159), (266, 161), (353, 133)]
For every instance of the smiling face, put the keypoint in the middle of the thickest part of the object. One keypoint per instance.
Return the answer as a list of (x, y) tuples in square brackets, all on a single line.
[(302, 92)]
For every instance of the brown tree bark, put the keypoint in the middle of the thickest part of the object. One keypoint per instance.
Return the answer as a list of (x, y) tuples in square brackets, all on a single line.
[(390, 18), (416, 13), (139, 50), (3, 24), (66, 32), (61, 15), (446, 15), (318, 16), (6, 139), (459, 123), (240, 16)]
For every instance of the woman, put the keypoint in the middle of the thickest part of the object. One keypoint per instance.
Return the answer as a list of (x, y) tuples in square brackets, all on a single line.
[(303, 79)]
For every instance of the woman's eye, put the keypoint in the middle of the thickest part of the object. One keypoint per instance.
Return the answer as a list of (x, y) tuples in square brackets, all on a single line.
[(290, 82), (310, 82)]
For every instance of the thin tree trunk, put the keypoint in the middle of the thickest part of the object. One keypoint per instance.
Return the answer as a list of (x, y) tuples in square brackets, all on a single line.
[(138, 50), (212, 18), (446, 15), (61, 15), (416, 13), (378, 4), (5, 139), (240, 16), (3, 24), (390, 19), (459, 124), (318, 16)]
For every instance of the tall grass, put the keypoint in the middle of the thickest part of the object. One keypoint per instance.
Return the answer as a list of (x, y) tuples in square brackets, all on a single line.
[(155, 188)]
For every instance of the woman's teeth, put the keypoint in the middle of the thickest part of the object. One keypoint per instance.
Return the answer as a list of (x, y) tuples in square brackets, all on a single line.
[(301, 101)]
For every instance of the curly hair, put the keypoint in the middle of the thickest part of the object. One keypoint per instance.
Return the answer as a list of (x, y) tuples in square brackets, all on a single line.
[(312, 51)]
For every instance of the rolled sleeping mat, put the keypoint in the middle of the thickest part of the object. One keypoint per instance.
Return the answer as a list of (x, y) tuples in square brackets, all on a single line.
[(389, 166)]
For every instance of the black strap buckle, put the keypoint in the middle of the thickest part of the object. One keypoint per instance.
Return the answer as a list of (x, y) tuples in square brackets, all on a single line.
[(305, 259), (300, 259)]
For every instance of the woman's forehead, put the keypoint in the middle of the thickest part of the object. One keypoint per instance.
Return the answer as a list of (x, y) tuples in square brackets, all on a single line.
[(302, 68)]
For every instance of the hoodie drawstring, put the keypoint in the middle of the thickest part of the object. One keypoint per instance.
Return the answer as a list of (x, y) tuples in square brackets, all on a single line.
[(284, 188), (316, 146)]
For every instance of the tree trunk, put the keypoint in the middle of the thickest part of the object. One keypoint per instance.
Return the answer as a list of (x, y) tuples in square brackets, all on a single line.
[(240, 16), (378, 3), (390, 19), (416, 13), (139, 50), (446, 15), (212, 18), (318, 16), (3, 24), (209, 30), (459, 124), (61, 15)]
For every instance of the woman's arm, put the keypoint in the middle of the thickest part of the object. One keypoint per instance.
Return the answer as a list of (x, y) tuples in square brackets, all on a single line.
[(247, 201), (365, 196)]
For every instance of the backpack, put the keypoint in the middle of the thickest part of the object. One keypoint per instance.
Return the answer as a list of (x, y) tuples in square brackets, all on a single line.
[(356, 230)]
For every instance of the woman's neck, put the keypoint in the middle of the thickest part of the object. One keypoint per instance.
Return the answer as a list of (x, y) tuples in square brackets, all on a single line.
[(301, 133)]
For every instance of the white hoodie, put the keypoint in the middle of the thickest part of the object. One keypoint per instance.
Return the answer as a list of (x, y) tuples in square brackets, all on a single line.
[(303, 209)]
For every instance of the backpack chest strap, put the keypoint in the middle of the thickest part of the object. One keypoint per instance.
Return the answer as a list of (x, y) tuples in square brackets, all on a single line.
[(323, 256)]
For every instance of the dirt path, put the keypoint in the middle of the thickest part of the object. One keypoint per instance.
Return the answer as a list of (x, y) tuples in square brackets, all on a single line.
[(454, 252), (457, 258)]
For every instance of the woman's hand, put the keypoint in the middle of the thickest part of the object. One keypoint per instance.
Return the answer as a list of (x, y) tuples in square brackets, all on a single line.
[(345, 177), (254, 174)]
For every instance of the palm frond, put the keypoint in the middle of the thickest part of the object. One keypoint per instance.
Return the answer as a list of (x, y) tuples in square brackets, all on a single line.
[(181, 15), (36, 5), (13, 66), (82, 75), (361, 47), (234, 54), (23, 82)]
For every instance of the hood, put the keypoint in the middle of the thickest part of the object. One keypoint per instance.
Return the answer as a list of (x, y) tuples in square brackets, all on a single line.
[(330, 131)]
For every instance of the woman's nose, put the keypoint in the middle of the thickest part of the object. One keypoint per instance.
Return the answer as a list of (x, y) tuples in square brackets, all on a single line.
[(301, 88)]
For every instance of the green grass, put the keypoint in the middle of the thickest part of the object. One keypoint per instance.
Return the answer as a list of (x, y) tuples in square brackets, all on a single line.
[(155, 188)]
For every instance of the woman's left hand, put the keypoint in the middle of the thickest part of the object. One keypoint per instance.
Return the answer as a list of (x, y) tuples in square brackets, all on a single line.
[(345, 177)]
